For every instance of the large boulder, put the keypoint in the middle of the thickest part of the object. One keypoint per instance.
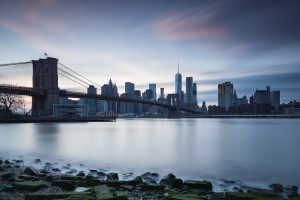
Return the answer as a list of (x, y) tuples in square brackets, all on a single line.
[(65, 184), (171, 181), (6, 175), (112, 176), (276, 187), (199, 185), (30, 171), (29, 185)]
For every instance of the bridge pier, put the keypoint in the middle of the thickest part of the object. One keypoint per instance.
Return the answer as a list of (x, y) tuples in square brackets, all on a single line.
[(173, 100), (45, 78)]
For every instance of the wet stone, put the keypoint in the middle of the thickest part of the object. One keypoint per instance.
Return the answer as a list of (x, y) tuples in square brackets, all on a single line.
[(276, 187), (112, 176), (37, 160)]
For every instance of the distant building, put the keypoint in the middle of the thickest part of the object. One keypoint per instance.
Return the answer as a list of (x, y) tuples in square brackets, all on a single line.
[(162, 93), (152, 86), (203, 108), (239, 101), (195, 101), (124, 106), (178, 83), (216, 110), (110, 89), (267, 96), (129, 88), (189, 91), (91, 103), (225, 95), (262, 96)]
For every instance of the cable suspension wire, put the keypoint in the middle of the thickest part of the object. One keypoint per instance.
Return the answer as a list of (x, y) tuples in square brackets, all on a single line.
[(73, 76), (8, 64), (79, 75), (71, 79)]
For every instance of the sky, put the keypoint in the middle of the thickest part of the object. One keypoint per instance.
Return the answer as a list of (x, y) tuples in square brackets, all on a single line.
[(252, 44)]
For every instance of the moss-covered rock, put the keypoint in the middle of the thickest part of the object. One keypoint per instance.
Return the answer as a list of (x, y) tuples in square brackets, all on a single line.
[(67, 177), (199, 185), (65, 184), (187, 197), (152, 188), (238, 196), (29, 185), (6, 175), (103, 192), (51, 196), (263, 193), (120, 195)]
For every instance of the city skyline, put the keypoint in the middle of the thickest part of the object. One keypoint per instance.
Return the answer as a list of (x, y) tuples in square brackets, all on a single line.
[(251, 44)]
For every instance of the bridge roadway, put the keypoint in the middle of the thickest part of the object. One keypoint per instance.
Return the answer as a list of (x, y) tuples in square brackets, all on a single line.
[(29, 91)]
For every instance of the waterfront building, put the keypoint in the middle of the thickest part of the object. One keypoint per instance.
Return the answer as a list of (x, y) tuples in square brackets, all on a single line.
[(239, 101), (225, 95), (152, 86), (189, 91), (91, 103), (178, 83), (275, 97), (110, 89), (129, 88), (262, 96), (195, 101), (203, 108)]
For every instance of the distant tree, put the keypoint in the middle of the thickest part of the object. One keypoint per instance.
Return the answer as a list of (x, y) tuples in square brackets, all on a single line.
[(11, 102)]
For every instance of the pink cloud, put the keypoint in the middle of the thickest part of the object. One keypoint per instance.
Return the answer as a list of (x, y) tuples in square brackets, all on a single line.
[(192, 24)]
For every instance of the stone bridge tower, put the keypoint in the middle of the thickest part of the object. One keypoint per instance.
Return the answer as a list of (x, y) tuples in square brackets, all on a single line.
[(45, 77), (173, 100)]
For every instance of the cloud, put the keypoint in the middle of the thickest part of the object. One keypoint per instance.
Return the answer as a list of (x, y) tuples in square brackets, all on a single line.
[(237, 25)]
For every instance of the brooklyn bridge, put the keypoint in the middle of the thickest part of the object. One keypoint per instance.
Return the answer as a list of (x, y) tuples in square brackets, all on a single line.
[(46, 91)]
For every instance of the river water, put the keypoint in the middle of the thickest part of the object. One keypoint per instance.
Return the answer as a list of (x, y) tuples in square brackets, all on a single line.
[(256, 152)]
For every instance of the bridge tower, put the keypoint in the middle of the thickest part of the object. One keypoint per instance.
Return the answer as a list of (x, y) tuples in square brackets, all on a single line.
[(45, 78), (173, 99)]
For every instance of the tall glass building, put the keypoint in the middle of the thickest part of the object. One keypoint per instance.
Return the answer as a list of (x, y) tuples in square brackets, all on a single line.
[(152, 86), (178, 83)]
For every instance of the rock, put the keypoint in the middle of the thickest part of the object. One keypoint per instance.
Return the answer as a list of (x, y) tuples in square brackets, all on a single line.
[(81, 174), (30, 171), (238, 196), (138, 180), (276, 187), (91, 181), (103, 192), (6, 175), (67, 177), (93, 171), (127, 175), (1, 162), (8, 188), (293, 192), (26, 177), (65, 184), (56, 170), (128, 187), (152, 188), (112, 176), (170, 176), (50, 196), (199, 185), (263, 193), (19, 161), (37, 160), (187, 197), (120, 195), (29, 185), (171, 181), (71, 171), (101, 174), (7, 162)]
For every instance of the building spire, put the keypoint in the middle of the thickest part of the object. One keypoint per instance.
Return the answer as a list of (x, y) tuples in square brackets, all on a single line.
[(178, 67)]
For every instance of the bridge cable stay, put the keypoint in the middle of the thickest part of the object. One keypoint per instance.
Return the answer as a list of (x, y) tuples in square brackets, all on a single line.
[(71, 79), (80, 75), (71, 75)]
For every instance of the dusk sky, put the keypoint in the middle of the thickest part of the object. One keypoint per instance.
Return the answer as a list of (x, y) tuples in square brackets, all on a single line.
[(253, 44)]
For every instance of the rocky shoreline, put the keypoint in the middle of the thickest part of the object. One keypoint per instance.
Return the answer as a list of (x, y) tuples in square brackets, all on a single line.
[(19, 182)]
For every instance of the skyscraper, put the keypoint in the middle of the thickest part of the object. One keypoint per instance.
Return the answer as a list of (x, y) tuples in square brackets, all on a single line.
[(225, 94), (189, 91), (91, 103), (152, 86), (178, 83), (195, 93), (129, 88)]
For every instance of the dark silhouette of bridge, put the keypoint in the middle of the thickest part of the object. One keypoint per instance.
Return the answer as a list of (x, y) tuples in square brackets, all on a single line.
[(45, 91)]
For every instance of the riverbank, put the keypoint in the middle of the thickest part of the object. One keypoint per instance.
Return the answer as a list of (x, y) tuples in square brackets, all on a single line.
[(18, 181)]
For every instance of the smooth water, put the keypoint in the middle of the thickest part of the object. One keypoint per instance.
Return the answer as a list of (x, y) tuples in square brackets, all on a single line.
[(255, 151)]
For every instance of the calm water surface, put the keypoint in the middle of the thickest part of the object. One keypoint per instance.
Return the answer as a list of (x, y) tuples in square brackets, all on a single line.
[(255, 151)]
